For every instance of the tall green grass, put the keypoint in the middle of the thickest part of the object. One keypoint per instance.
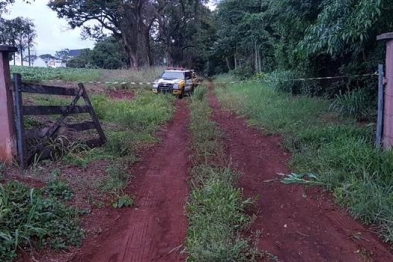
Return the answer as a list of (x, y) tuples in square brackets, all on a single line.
[(215, 207), (129, 125), (40, 74), (35, 218), (339, 151)]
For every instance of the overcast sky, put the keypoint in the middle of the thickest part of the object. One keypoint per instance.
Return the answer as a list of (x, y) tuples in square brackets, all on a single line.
[(53, 34)]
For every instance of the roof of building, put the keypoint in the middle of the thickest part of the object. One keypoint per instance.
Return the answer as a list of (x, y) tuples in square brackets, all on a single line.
[(75, 52)]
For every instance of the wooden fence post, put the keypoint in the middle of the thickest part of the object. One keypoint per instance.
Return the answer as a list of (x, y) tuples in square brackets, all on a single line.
[(7, 126), (387, 139)]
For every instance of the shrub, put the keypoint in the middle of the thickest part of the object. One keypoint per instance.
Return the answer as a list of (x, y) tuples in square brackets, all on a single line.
[(354, 104), (28, 219)]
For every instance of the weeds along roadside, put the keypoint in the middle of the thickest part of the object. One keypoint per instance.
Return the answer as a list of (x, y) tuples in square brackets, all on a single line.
[(215, 207), (43, 218), (130, 126), (36, 218), (339, 151)]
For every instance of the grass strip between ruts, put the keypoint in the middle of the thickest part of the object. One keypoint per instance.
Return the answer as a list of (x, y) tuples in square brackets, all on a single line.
[(215, 207)]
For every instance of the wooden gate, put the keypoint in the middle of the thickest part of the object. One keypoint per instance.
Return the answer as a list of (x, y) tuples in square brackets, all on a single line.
[(21, 110)]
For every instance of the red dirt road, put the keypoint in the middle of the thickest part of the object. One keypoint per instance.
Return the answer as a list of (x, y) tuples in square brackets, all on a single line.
[(296, 224), (156, 229)]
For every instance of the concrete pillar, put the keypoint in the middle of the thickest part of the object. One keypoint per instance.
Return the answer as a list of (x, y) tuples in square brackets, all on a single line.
[(387, 139), (7, 127)]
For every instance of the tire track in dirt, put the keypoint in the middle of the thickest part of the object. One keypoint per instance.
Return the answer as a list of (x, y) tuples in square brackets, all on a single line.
[(157, 228), (296, 223)]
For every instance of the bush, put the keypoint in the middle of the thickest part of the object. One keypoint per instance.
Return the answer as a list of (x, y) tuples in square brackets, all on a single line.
[(243, 71), (28, 219), (291, 82), (354, 104), (282, 81)]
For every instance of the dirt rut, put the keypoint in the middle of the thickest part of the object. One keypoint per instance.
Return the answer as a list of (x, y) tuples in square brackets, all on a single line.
[(156, 229), (296, 224)]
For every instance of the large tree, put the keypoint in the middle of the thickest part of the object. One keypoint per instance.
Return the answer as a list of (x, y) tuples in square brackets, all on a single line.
[(128, 20), (185, 29), (19, 32), (144, 27)]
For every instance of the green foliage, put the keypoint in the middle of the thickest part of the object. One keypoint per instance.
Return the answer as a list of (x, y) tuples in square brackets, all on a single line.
[(2, 167), (215, 207), (200, 93), (185, 28), (216, 216), (28, 219), (123, 201), (282, 81), (115, 182), (136, 121), (206, 144), (106, 54), (83, 60), (300, 39), (117, 179), (19, 32), (354, 104), (341, 155), (341, 23), (292, 82), (145, 113), (38, 74), (58, 189), (30, 122), (304, 179), (272, 107)]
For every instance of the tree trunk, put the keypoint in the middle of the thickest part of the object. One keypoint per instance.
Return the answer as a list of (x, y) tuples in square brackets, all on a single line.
[(130, 33), (255, 57), (21, 56), (28, 53), (228, 65), (148, 48)]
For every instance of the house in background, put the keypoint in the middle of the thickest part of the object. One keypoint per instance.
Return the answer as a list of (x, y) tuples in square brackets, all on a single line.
[(75, 53), (55, 63), (39, 62)]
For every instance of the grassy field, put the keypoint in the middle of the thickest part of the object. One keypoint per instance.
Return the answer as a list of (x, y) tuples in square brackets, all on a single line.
[(42, 74), (48, 217), (339, 151), (215, 207)]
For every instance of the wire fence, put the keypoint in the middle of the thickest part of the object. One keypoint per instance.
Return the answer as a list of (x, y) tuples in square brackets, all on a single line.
[(264, 79)]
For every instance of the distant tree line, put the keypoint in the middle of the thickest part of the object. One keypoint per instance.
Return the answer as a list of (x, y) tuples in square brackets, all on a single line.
[(107, 54), (19, 32)]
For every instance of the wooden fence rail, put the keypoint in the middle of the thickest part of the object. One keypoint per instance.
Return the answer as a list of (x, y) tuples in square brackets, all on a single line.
[(51, 132)]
